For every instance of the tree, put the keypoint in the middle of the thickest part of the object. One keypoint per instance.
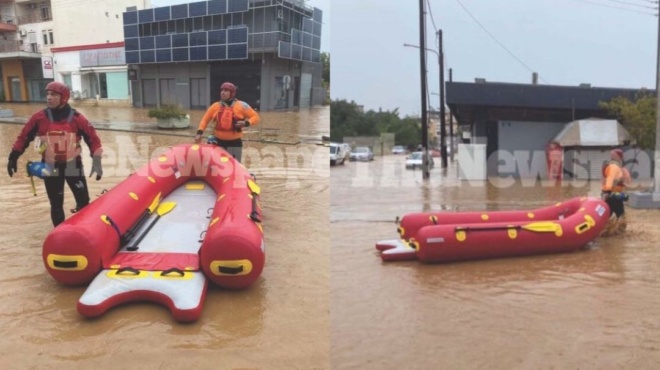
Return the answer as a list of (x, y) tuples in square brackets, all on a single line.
[(325, 61), (348, 119), (638, 116)]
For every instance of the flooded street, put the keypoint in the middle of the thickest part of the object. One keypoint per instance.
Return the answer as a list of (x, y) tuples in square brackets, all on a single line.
[(593, 309), (282, 321)]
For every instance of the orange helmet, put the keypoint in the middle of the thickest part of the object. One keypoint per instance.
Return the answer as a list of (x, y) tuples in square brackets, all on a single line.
[(229, 86), (61, 89)]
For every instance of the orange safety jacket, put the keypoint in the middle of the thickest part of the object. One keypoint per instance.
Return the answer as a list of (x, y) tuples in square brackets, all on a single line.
[(225, 115), (615, 177)]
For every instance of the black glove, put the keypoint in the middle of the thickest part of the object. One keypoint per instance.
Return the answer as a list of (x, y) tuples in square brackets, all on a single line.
[(605, 195), (12, 164), (96, 167)]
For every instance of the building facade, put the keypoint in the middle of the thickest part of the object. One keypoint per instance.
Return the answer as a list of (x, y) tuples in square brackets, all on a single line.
[(270, 49), (519, 121), (26, 33), (77, 42)]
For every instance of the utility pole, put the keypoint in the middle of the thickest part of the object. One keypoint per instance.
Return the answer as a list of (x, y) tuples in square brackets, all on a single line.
[(451, 124), (443, 130), (422, 63), (656, 157)]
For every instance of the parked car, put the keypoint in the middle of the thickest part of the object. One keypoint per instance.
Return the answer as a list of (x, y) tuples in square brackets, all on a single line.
[(398, 149), (339, 153), (362, 153), (415, 161)]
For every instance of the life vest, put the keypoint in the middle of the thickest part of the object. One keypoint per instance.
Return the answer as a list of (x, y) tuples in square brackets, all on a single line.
[(225, 118), (59, 142), (618, 176)]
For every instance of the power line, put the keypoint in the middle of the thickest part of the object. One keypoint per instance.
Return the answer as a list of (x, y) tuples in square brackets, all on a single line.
[(497, 41), (616, 7), (633, 4), (428, 4)]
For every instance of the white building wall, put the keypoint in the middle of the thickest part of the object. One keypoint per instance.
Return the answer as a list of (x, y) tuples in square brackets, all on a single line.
[(85, 22)]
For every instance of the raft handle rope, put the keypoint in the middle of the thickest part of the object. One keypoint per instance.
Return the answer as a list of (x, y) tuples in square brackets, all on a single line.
[(128, 269), (256, 191), (209, 213), (114, 226), (173, 269), (201, 236)]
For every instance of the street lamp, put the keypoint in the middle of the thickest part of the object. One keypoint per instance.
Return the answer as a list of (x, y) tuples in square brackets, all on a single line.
[(443, 131)]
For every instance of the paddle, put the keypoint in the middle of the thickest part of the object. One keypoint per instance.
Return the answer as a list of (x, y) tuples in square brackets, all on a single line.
[(538, 227), (130, 233), (163, 209), (256, 190)]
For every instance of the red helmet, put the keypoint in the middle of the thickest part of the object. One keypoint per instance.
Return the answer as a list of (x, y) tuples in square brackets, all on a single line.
[(229, 86), (61, 89), (616, 154)]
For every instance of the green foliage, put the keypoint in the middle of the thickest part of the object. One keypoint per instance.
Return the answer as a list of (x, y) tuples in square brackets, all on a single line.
[(638, 117), (348, 119), (325, 61), (168, 111)]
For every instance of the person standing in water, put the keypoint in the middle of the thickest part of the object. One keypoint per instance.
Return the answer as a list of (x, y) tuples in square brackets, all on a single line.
[(231, 116), (615, 180), (60, 129)]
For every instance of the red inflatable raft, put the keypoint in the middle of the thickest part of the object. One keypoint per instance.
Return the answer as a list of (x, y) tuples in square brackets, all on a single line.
[(461, 236), (189, 215)]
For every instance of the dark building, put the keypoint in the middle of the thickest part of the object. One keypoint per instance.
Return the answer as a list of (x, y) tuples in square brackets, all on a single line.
[(519, 118), (270, 49)]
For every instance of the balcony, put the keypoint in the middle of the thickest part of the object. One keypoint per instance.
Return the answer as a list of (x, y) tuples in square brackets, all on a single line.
[(10, 46), (7, 24)]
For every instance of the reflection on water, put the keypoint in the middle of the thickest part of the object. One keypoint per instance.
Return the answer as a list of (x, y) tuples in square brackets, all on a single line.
[(592, 309), (280, 322)]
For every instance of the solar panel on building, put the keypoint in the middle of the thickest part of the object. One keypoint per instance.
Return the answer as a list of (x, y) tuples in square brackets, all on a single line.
[(217, 37), (147, 43), (131, 31), (218, 52), (132, 57), (237, 51), (217, 7), (131, 44), (147, 56), (145, 15), (234, 6), (198, 53), (197, 9), (163, 41), (179, 11), (130, 18), (237, 35), (180, 54), (163, 55)]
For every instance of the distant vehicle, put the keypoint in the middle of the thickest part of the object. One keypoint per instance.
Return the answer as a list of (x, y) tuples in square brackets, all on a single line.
[(362, 153), (415, 161), (339, 153), (398, 149)]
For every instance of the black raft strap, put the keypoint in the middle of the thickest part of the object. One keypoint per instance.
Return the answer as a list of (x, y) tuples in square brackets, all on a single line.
[(173, 270), (128, 269), (230, 270), (65, 264)]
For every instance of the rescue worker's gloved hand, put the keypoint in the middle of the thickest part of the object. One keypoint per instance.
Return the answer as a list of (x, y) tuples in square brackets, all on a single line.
[(198, 137), (12, 164), (96, 167)]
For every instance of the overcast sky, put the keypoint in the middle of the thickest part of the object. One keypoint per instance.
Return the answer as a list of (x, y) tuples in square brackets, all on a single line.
[(606, 43), (324, 5)]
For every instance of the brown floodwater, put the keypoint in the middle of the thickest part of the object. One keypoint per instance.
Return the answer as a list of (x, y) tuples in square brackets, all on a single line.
[(282, 321), (593, 309)]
